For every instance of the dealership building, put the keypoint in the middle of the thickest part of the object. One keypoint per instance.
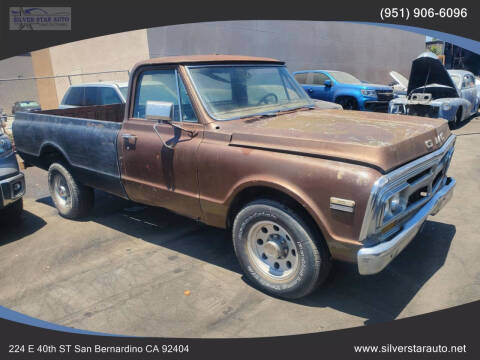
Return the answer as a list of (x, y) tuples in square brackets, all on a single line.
[(367, 51)]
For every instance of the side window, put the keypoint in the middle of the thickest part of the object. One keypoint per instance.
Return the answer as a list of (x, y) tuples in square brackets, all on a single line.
[(301, 78), (108, 96), (471, 80), (75, 96), (91, 96), (188, 114), (155, 85), (319, 79), (467, 82)]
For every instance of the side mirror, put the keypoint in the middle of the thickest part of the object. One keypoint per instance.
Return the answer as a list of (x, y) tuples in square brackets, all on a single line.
[(160, 111), (328, 83)]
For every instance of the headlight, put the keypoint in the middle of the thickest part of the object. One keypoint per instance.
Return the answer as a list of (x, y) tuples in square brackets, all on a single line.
[(393, 206), (446, 106), (5, 146), (368, 92)]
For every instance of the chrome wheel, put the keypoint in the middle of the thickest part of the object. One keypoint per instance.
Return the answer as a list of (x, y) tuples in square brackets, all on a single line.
[(273, 251), (61, 192)]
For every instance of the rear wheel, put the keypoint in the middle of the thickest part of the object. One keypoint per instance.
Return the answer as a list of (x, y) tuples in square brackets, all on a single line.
[(348, 103), (278, 252), (72, 199)]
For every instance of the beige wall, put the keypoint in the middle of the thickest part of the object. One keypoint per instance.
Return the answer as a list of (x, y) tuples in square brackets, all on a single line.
[(42, 66), (104, 53), (17, 67)]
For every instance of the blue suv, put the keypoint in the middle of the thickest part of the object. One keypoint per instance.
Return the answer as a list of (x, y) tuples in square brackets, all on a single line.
[(344, 89)]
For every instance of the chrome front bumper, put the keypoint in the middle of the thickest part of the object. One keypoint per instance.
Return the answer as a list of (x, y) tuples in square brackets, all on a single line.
[(372, 260), (11, 189)]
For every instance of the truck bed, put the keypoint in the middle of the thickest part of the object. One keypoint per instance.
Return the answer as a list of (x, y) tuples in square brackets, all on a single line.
[(113, 113), (84, 137)]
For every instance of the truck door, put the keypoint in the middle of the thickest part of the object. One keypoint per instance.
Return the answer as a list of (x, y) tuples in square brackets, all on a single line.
[(316, 86), (158, 160)]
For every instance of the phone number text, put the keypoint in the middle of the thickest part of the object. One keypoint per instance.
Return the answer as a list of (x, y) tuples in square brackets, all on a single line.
[(423, 13)]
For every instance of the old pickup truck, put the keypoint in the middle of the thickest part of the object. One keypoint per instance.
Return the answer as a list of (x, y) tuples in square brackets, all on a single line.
[(235, 142)]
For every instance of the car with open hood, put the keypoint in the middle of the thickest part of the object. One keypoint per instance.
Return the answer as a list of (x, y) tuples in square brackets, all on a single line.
[(436, 92), (236, 143)]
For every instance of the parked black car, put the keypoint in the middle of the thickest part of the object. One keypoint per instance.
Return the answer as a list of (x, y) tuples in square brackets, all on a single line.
[(12, 181), (27, 105)]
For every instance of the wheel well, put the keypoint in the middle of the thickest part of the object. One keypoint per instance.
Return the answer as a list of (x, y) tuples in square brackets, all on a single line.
[(346, 97), (264, 192), (49, 155)]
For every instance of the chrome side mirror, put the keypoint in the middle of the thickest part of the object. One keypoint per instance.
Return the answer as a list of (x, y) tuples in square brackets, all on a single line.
[(160, 111)]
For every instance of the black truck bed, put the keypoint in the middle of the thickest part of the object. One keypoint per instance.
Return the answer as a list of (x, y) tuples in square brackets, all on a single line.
[(84, 137)]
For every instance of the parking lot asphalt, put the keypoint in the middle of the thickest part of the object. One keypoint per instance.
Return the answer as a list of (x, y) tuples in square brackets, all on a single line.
[(144, 271)]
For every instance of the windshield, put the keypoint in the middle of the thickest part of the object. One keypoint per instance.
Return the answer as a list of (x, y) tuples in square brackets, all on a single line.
[(123, 90), (29, 104), (344, 78), (237, 91)]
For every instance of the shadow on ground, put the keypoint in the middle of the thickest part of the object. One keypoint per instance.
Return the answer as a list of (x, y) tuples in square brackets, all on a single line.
[(16, 229), (465, 122), (376, 298)]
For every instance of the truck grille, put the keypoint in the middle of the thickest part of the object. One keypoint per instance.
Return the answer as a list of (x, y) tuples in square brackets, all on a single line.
[(423, 185), (415, 182), (384, 95)]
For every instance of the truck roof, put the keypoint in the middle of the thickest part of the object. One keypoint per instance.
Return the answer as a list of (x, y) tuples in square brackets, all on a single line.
[(214, 58)]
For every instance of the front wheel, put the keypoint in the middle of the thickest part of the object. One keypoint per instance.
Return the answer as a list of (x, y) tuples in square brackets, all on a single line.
[(72, 199), (348, 103), (278, 251), (458, 118)]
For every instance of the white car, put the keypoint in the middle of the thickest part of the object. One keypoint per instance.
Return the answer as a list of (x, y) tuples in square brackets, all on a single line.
[(102, 93)]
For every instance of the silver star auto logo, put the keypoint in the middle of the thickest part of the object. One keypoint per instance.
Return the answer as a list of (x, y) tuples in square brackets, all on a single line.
[(23, 26)]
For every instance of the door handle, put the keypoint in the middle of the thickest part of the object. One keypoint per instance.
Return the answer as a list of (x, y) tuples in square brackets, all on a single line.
[(310, 90), (129, 141)]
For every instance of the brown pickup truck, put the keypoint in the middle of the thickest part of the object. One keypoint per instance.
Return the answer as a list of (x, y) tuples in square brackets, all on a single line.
[(236, 143)]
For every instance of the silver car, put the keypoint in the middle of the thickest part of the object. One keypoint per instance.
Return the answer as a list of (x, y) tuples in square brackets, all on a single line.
[(435, 92)]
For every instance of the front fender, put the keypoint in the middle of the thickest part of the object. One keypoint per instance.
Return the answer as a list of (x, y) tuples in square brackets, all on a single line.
[(454, 105)]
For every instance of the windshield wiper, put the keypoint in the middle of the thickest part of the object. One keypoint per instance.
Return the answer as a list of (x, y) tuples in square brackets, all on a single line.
[(274, 113)]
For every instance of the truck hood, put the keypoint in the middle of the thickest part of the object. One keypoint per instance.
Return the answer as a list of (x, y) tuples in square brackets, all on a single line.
[(381, 141), (426, 70)]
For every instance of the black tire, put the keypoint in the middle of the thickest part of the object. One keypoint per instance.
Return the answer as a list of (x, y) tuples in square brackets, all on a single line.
[(458, 119), (78, 199), (313, 258), (12, 212), (347, 102)]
